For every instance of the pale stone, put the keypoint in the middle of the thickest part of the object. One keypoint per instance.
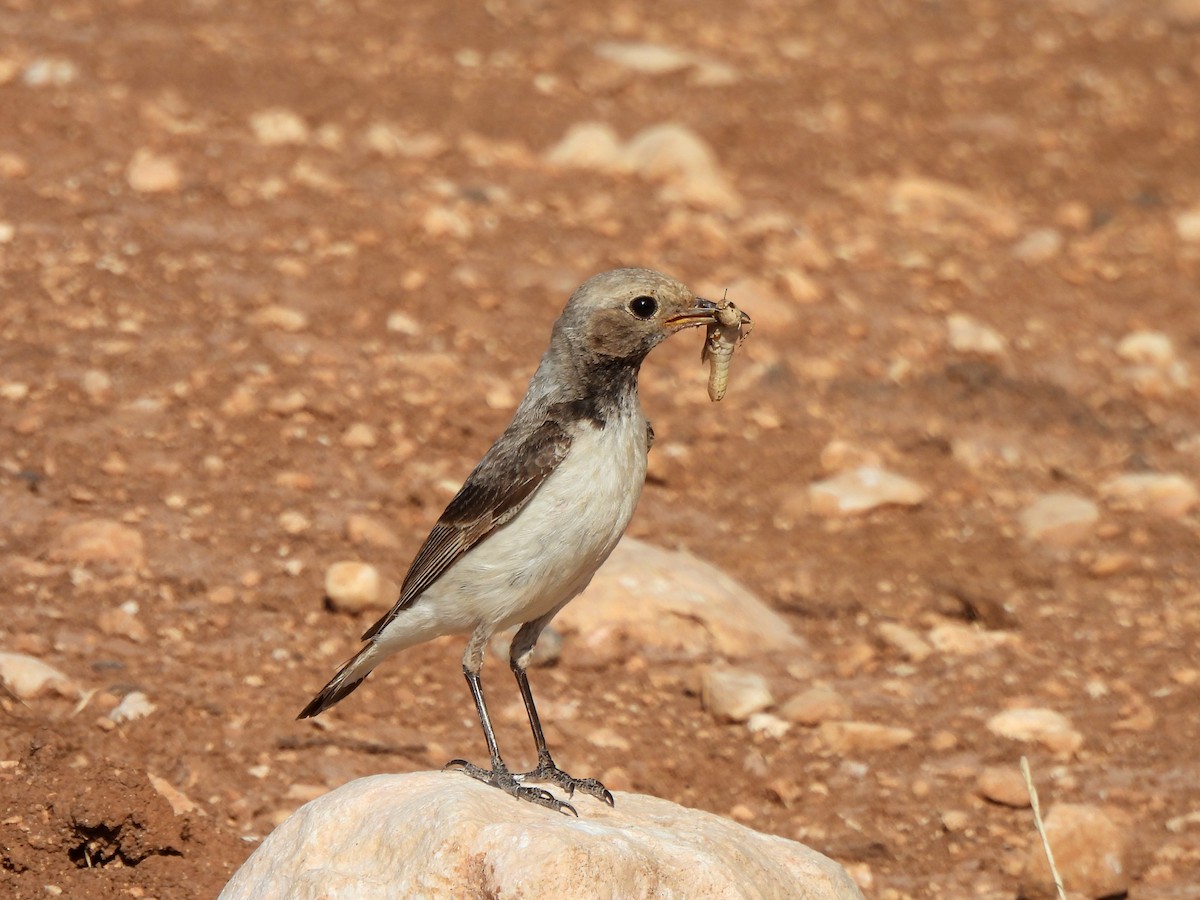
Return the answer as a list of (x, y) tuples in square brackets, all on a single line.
[(678, 156), (120, 622), (134, 705), (957, 639), (588, 145), (1152, 348), (363, 529), (150, 173), (443, 834), (181, 804), (734, 694), (852, 737), (1059, 519), (1004, 785), (283, 318), (100, 542), (814, 706), (1171, 495), (651, 59), (360, 436), (1091, 852), (969, 335), (933, 204), (353, 587), (28, 678), (907, 641), (674, 604), (294, 522), (1187, 223), (767, 724), (862, 490), (1052, 730), (276, 127), (1039, 246), (391, 140)]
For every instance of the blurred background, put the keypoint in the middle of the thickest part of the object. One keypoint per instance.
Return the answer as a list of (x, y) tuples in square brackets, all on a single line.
[(274, 275)]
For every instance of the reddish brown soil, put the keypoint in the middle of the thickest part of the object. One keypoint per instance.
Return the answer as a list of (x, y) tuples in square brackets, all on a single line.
[(1079, 116)]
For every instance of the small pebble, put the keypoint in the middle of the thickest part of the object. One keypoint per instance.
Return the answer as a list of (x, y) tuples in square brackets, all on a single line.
[(1059, 519), (734, 694), (863, 489), (814, 706), (352, 587), (1052, 730)]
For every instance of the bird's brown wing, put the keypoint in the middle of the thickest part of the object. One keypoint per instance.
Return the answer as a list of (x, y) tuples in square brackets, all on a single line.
[(493, 494)]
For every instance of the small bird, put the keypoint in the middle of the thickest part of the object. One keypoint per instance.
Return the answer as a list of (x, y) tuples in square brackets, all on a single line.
[(543, 509)]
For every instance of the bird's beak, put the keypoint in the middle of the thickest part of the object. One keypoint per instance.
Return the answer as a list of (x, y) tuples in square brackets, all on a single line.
[(703, 312)]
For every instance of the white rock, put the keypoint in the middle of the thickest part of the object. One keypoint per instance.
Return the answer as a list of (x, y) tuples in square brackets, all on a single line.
[(1052, 730), (1151, 348), (150, 173), (638, 56), (283, 318), (765, 723), (29, 678), (676, 605), (50, 71), (1004, 785), (1091, 852), (275, 127), (955, 639), (100, 542), (353, 587), (933, 204), (855, 737), (442, 834), (814, 706), (1059, 519), (360, 436), (588, 145), (907, 641), (391, 140), (1187, 225), (862, 490), (1039, 246), (1170, 495), (679, 157), (134, 705), (734, 694), (969, 335)]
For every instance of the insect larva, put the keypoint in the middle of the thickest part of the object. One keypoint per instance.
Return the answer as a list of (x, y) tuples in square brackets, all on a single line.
[(721, 340)]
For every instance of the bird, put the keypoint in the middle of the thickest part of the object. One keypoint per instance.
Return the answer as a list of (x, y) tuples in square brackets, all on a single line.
[(542, 510)]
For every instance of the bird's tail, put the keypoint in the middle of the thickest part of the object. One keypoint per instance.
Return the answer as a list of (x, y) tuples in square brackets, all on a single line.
[(349, 677)]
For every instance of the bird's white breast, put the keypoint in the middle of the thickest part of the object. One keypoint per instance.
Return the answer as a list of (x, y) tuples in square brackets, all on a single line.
[(549, 552)]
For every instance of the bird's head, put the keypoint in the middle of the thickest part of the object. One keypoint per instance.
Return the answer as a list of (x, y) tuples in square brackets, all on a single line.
[(625, 313)]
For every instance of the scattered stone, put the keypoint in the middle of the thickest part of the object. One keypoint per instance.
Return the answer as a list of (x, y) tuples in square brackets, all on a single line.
[(352, 587), (283, 318), (1187, 223), (120, 622), (839, 455), (814, 706), (294, 522), (1039, 246), (676, 155), (379, 831), (588, 145), (100, 542), (954, 820), (1091, 852), (150, 173), (50, 71), (1171, 495), (863, 489), (931, 204), (97, 384), (363, 529), (734, 694), (181, 804), (28, 678), (958, 639), (390, 140), (907, 641), (1059, 519), (969, 335), (766, 724), (278, 127), (134, 705), (655, 59), (360, 436), (1154, 368), (854, 737), (685, 608), (1004, 785), (1052, 730)]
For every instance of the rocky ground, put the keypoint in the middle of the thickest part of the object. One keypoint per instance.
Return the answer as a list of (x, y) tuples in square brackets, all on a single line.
[(273, 275)]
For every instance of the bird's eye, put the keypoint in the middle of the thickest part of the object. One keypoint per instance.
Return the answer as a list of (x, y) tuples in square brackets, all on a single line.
[(643, 307)]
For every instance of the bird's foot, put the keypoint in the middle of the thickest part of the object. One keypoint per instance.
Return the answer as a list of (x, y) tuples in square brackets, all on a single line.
[(547, 771), (500, 777)]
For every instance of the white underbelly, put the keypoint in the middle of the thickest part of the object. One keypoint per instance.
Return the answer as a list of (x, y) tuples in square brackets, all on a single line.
[(549, 552)]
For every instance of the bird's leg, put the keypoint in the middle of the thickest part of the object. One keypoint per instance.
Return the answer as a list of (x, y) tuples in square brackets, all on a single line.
[(522, 649), (498, 775)]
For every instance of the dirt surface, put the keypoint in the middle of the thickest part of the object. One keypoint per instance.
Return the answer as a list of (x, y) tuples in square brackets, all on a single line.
[(199, 303)]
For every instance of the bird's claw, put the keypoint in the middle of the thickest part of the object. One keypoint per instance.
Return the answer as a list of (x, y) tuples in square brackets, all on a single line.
[(501, 778), (548, 771)]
